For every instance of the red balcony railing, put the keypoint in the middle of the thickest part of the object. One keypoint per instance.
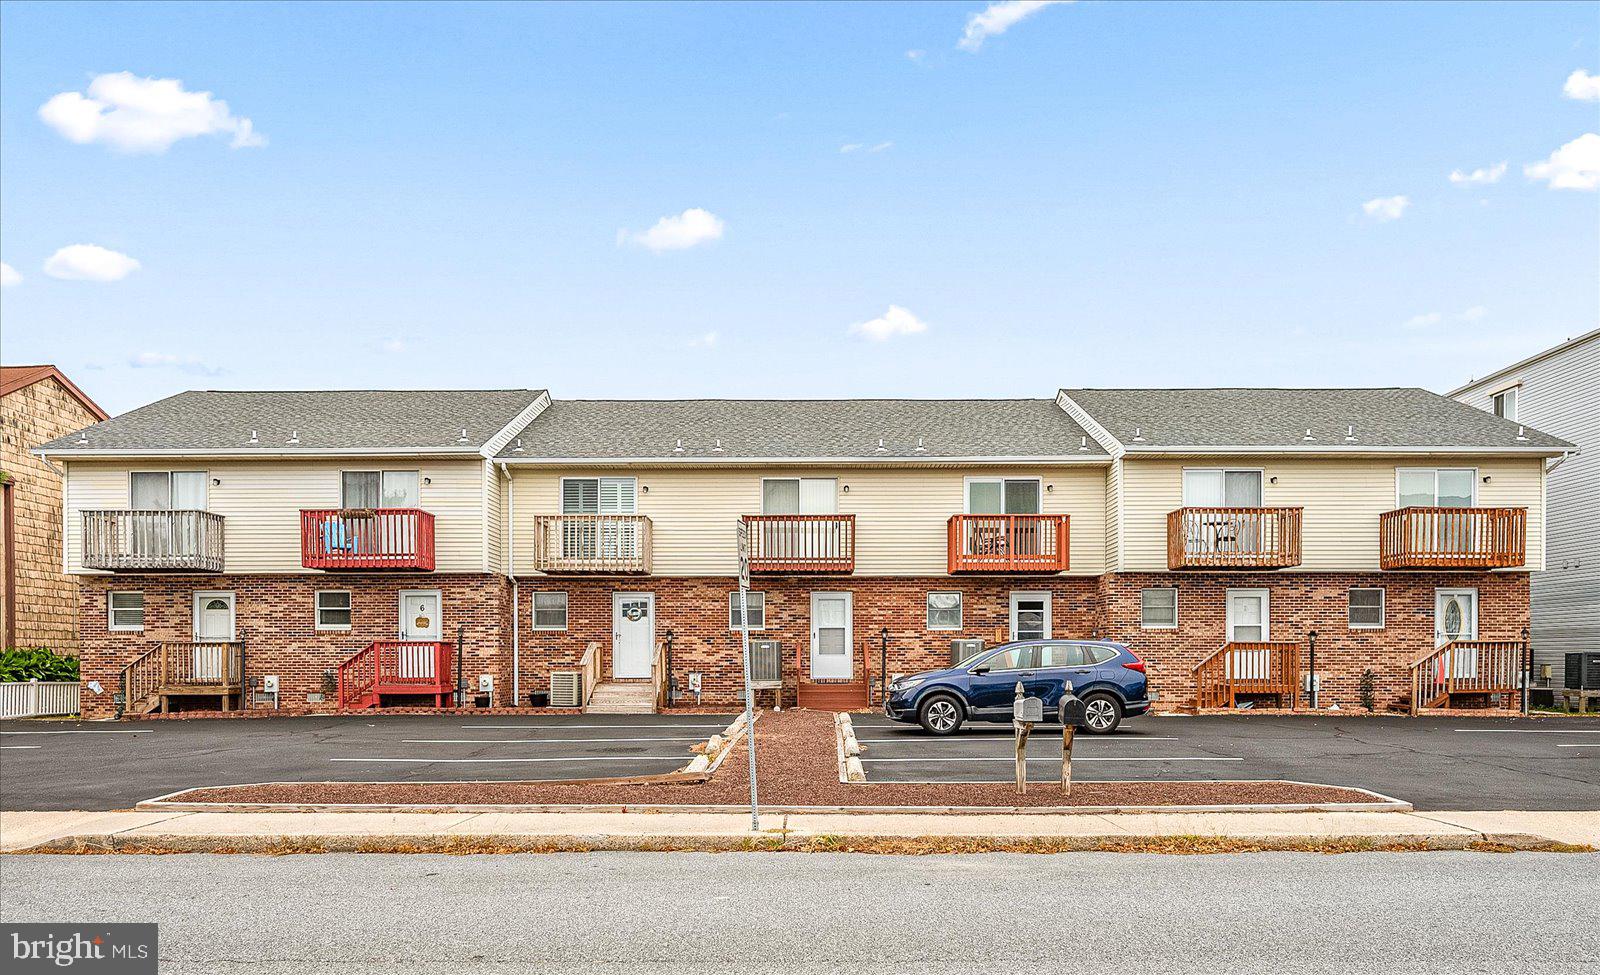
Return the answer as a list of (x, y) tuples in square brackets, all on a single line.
[(1008, 543), (1233, 538), (367, 538), (1452, 538), (802, 543)]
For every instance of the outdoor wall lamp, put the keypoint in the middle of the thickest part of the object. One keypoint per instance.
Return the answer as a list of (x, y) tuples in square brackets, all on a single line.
[(1049, 489), (216, 482), (1486, 479), (644, 489), (1273, 479), (427, 480), (847, 489)]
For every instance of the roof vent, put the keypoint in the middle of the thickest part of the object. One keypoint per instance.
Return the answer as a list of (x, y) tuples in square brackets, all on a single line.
[(881, 449), (463, 437), (1308, 437), (518, 448), (1138, 434), (294, 438), (253, 438), (1350, 433), (1083, 443), (717, 449), (83, 439), (920, 448), (1522, 433), (679, 448)]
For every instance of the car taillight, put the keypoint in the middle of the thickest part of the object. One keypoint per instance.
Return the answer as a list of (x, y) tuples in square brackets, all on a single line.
[(1137, 664)]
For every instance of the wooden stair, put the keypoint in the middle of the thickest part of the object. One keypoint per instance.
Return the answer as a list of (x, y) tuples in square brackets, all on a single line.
[(839, 696), (622, 697)]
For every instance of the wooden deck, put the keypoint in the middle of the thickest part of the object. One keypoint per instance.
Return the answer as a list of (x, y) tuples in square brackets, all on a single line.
[(138, 540), (1238, 670), (1466, 669), (1233, 538), (802, 544), (367, 538), (593, 544), (395, 668), (1008, 543), (178, 669), (1453, 538)]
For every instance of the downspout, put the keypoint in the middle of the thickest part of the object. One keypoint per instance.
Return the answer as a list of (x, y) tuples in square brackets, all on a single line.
[(511, 573)]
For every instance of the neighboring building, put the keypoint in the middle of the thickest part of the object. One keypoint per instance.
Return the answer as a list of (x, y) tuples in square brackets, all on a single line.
[(38, 601), (1212, 530), (1559, 390)]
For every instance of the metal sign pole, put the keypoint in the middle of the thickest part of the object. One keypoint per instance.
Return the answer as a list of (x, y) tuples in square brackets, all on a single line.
[(742, 533)]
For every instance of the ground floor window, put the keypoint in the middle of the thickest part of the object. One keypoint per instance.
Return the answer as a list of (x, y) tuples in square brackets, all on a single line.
[(1366, 609), (1158, 608), (333, 609), (757, 604), (549, 610), (125, 610), (944, 611)]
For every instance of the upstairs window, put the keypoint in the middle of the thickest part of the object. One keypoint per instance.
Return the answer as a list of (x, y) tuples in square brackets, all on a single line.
[(1002, 495), (1220, 488), (1505, 403), (599, 496), (1444, 487), (168, 490), (799, 496), (381, 489)]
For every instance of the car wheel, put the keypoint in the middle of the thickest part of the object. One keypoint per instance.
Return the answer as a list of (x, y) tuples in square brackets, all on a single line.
[(1102, 714), (940, 715)]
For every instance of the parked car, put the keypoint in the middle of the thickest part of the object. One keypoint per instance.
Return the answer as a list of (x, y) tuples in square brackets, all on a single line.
[(1108, 676)]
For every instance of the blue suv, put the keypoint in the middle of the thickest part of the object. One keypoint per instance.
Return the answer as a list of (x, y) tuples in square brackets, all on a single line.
[(1108, 676)]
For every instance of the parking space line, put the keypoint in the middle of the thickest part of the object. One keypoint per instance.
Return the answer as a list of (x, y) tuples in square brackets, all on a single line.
[(17, 747), (530, 741), (1525, 731), (585, 727), (1578, 746), (1005, 738), (1009, 758), (145, 731), (520, 761)]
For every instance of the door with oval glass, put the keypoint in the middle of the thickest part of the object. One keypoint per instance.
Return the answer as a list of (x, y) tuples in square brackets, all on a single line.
[(213, 629), (1455, 617), (633, 633)]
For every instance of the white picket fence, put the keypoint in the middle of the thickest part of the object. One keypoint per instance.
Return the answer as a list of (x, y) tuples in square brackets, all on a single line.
[(38, 699)]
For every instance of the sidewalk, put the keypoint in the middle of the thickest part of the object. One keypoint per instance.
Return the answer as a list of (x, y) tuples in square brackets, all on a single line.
[(462, 831)]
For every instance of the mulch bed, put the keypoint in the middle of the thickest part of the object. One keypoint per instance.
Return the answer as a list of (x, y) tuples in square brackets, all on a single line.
[(797, 765), (196, 715)]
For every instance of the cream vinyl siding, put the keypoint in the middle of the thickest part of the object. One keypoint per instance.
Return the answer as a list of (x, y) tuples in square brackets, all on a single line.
[(1342, 499), (1113, 515), (901, 514), (261, 502), (494, 506)]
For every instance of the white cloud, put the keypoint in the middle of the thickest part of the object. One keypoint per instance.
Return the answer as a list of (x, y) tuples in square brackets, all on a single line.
[(1583, 86), (895, 321), (997, 18), (706, 341), (89, 262), (916, 54), (1424, 321), (8, 275), (1428, 320), (1386, 208), (1575, 166), (850, 147), (691, 227), (1486, 174), (1474, 314), (133, 114), (393, 345), (166, 360)]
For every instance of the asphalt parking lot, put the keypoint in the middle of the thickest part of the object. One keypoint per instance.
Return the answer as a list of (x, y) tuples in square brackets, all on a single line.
[(1435, 763), (106, 765)]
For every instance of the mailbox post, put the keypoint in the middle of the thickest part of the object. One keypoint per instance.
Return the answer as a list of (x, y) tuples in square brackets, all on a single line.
[(1073, 715), (1025, 711)]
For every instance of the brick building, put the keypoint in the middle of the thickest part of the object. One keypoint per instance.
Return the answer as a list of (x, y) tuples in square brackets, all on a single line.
[(380, 545), (37, 599)]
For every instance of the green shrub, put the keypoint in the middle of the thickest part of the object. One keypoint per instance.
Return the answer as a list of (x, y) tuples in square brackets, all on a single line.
[(36, 663)]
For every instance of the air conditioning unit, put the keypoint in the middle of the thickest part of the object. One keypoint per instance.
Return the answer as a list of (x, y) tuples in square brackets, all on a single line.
[(963, 650), (766, 662), (1583, 671), (566, 689)]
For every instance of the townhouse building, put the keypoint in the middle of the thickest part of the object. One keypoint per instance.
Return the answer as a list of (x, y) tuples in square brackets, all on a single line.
[(307, 549)]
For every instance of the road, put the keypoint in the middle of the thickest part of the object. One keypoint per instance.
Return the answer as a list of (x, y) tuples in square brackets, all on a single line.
[(749, 913), (1436, 763)]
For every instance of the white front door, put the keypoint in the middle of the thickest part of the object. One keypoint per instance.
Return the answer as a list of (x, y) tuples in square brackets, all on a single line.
[(1455, 617), (1249, 620), (213, 625), (832, 639), (1030, 616), (633, 634), (420, 615)]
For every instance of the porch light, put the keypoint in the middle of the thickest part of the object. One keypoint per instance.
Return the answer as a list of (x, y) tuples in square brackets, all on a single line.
[(1486, 479), (216, 482)]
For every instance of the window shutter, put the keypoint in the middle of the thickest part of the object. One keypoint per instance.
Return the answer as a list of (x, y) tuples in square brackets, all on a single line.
[(580, 496)]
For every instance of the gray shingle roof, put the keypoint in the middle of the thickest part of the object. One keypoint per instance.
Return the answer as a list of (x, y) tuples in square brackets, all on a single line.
[(1277, 418), (803, 429), (374, 419)]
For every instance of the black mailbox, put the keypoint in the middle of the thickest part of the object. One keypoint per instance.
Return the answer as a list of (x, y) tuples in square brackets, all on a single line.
[(1073, 711)]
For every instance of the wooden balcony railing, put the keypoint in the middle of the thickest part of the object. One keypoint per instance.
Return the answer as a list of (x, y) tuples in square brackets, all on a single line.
[(178, 668), (1452, 538), (1008, 543), (397, 667), (367, 538), (1233, 538), (152, 541), (1240, 669), (802, 543), (592, 543), (1466, 667)]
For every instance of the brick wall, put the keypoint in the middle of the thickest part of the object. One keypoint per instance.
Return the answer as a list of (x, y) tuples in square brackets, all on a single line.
[(1301, 602), (275, 617), (45, 597)]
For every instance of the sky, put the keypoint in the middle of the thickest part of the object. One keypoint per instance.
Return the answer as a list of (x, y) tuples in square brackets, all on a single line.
[(794, 200)]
